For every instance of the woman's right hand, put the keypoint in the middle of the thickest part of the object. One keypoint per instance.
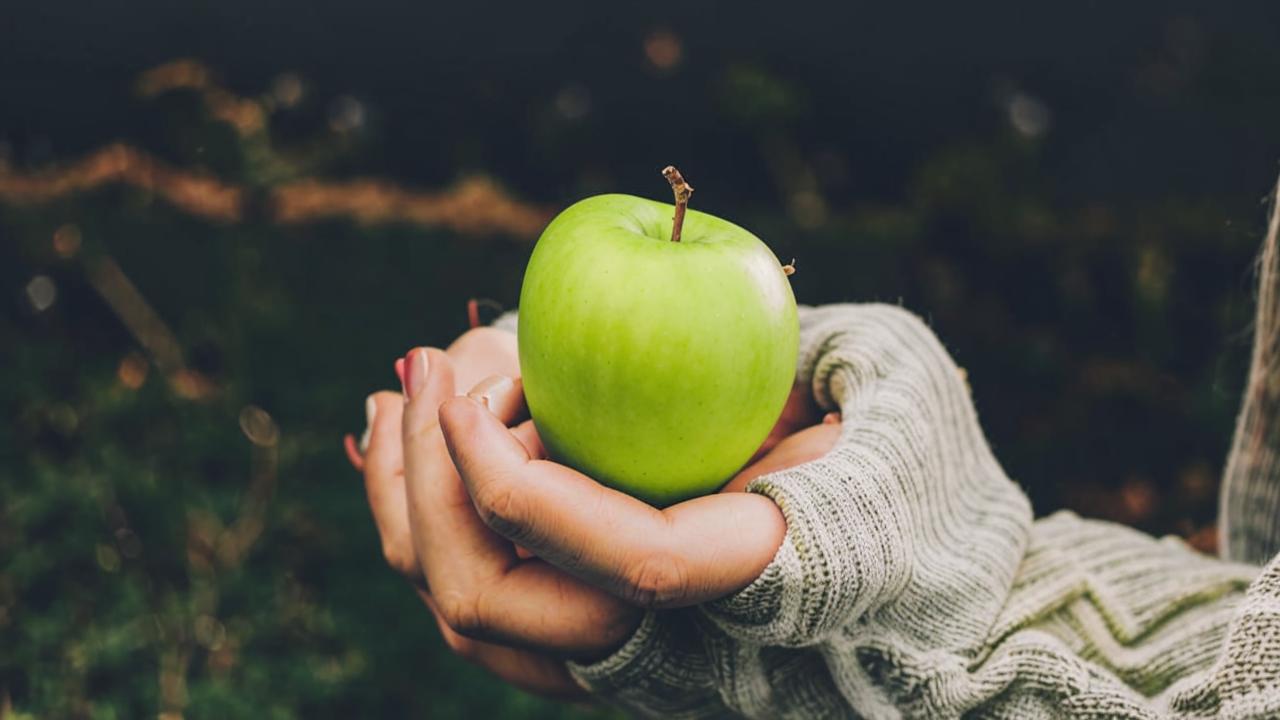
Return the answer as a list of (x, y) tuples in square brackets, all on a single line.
[(379, 455), (384, 475)]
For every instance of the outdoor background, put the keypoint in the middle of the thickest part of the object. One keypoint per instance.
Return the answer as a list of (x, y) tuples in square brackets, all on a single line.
[(220, 222)]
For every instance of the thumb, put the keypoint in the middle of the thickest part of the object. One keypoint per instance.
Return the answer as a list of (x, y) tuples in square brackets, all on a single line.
[(690, 552), (478, 440)]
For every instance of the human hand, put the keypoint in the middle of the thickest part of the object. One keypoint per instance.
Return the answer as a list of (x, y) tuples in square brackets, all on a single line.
[(476, 354), (383, 468), (603, 555)]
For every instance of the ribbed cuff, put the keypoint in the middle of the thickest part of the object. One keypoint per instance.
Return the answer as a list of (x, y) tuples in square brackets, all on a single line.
[(507, 321), (634, 660), (768, 609)]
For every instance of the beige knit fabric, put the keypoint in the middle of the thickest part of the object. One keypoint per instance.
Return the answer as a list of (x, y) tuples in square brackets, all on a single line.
[(913, 583), (1249, 524)]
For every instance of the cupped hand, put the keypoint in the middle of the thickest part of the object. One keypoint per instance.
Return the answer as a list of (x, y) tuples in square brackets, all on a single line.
[(477, 354), (474, 485)]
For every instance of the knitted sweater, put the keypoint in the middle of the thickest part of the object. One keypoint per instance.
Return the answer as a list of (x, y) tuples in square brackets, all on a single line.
[(912, 581)]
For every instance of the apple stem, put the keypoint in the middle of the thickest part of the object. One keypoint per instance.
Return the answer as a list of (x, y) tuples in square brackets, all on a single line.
[(682, 190)]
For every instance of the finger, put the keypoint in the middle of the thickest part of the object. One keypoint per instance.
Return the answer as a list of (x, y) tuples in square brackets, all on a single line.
[(504, 396), (356, 450), (539, 674), (809, 444), (483, 351), (384, 459), (384, 484), (695, 551), (482, 590), (524, 432), (505, 399), (353, 452), (799, 411), (455, 548), (450, 543), (527, 434)]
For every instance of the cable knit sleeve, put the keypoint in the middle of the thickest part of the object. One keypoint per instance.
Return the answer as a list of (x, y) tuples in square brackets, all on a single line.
[(910, 503), (912, 582), (507, 321), (909, 518)]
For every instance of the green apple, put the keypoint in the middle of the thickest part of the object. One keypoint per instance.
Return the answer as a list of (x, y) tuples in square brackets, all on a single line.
[(656, 354)]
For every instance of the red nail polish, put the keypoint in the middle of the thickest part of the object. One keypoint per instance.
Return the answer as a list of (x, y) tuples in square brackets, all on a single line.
[(400, 374), (353, 452)]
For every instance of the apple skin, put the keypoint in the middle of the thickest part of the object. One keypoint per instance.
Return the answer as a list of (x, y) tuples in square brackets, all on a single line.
[(654, 367)]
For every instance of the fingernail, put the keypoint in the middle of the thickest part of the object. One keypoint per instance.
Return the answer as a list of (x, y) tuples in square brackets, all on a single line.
[(400, 372), (488, 389), (831, 418), (370, 412), (415, 372)]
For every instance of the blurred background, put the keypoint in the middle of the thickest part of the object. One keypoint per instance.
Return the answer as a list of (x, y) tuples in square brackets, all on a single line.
[(220, 222)]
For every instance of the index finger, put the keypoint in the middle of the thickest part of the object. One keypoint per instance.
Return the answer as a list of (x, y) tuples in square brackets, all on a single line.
[(697, 550)]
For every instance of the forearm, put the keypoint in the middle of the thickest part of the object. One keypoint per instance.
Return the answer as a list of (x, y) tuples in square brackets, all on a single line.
[(911, 582)]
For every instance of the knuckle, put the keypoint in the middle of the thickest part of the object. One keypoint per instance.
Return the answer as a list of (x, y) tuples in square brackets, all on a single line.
[(657, 580), (422, 433), (462, 614), (401, 558), (461, 646), (388, 397), (477, 340), (502, 508)]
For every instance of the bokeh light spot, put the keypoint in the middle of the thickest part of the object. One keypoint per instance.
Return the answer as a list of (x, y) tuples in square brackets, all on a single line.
[(1029, 116), (191, 385), (133, 369), (663, 49), (66, 240), (258, 425), (346, 114), (42, 293), (1197, 482), (1138, 499), (807, 209), (573, 102), (287, 90), (108, 558)]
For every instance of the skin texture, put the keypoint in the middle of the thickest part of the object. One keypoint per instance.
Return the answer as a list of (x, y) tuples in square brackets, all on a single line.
[(655, 367), (459, 485)]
